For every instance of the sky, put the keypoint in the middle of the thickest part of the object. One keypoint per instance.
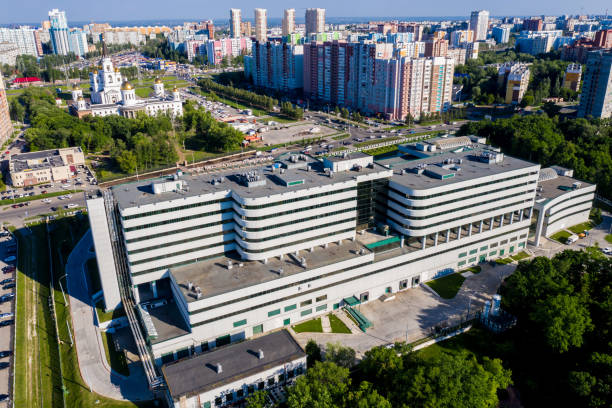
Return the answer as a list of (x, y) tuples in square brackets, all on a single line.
[(12, 11)]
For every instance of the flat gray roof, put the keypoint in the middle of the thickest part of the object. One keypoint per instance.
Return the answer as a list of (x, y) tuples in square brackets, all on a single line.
[(470, 169), (140, 193), (194, 375), (213, 277), (168, 322), (554, 188)]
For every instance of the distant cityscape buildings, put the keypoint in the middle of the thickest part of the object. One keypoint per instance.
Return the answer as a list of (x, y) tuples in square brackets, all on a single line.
[(261, 24), (479, 24), (596, 97), (235, 20), (59, 32), (315, 20), (288, 22)]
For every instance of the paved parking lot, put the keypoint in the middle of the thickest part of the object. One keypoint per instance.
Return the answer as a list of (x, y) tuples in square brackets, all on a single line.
[(8, 248)]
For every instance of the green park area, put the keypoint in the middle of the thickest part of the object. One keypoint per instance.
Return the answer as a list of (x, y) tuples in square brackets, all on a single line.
[(312, 326), (561, 236), (447, 286)]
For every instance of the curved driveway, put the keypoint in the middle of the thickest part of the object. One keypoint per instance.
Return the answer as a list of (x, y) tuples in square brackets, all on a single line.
[(90, 350)]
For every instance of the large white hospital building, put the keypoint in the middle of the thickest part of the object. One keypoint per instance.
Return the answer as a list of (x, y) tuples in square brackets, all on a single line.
[(225, 256)]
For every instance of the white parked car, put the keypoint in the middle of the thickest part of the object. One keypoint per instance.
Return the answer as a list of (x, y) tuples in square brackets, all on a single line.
[(73, 205), (607, 251), (46, 200)]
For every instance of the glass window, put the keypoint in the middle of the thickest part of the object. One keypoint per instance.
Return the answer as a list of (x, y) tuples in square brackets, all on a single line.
[(306, 312), (461, 263), (229, 397), (258, 329), (290, 308), (286, 322), (271, 381), (472, 260), (240, 323), (206, 404), (321, 298), (274, 313), (336, 306), (473, 251), (240, 393), (321, 307), (461, 255), (251, 388), (484, 248), (218, 401), (492, 253), (306, 303)]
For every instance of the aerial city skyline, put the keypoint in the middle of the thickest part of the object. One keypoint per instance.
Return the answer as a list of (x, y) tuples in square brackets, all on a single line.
[(277, 204)]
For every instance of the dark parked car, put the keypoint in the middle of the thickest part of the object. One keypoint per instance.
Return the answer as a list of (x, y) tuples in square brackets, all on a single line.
[(6, 297), (9, 286), (7, 323), (7, 280), (4, 365), (3, 397), (5, 353)]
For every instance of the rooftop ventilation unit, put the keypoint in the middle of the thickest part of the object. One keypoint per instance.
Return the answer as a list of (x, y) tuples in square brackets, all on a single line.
[(252, 179)]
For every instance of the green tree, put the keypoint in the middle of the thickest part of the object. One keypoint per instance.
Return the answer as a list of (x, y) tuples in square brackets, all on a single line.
[(258, 399), (339, 354), (367, 397), (325, 385), (313, 353)]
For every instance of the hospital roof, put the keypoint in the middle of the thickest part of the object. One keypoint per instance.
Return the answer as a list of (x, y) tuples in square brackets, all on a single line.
[(312, 172)]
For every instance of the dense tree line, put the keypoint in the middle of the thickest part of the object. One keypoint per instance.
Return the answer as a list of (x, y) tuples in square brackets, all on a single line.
[(561, 348), (291, 111), (394, 377), (241, 95), (161, 48), (581, 144), (135, 144)]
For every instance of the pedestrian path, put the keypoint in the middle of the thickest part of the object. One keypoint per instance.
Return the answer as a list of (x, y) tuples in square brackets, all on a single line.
[(90, 350), (325, 324)]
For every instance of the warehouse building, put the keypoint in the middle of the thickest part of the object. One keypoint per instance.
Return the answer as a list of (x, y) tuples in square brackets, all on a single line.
[(27, 169)]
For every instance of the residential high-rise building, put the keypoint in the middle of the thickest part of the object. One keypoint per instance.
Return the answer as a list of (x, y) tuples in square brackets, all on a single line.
[(315, 20), (596, 96), (6, 127), (479, 23), (603, 38), (415, 28), (436, 47), (459, 37), (59, 32), (235, 20), (209, 27), (514, 77), (289, 22), (501, 34), (25, 38), (8, 54), (217, 50), (246, 29), (571, 79), (261, 25), (533, 24), (276, 65), (78, 42)]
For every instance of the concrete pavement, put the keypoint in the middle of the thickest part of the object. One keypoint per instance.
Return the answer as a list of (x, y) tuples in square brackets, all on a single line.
[(412, 314), (90, 350)]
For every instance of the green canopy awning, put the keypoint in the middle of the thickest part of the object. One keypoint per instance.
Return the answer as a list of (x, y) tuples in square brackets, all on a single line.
[(351, 301)]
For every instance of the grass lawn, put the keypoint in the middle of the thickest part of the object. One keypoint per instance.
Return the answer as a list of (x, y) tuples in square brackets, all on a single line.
[(341, 136), (110, 315), (38, 197), (474, 269), (381, 150), (609, 238), (561, 236), (65, 234), (447, 286), (338, 325), (312, 326), (577, 229), (478, 342), (116, 359), (504, 261), (521, 255)]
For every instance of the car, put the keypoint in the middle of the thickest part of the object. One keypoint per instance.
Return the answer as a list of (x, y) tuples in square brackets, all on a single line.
[(43, 192), (10, 259), (5, 353), (6, 315), (7, 280), (607, 251), (7, 323), (8, 286), (46, 200), (4, 365)]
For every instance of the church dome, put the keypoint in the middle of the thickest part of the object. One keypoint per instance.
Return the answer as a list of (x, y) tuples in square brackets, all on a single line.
[(126, 86), (95, 72), (175, 89), (158, 81), (80, 98), (75, 87), (116, 69)]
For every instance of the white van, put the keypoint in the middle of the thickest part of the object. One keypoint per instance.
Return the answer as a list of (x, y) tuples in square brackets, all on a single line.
[(571, 239)]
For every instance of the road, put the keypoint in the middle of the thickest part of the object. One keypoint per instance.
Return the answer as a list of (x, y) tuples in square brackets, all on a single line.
[(90, 350)]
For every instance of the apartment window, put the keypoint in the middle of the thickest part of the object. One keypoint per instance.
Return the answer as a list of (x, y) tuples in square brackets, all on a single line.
[(473, 251), (504, 242), (274, 313), (463, 254), (286, 322), (484, 248), (306, 303), (494, 245), (321, 307), (523, 236), (321, 298), (492, 253), (461, 263), (306, 312), (513, 239), (290, 308), (472, 260), (240, 323)]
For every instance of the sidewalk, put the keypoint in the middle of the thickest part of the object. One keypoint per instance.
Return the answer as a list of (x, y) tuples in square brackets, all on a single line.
[(90, 350)]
